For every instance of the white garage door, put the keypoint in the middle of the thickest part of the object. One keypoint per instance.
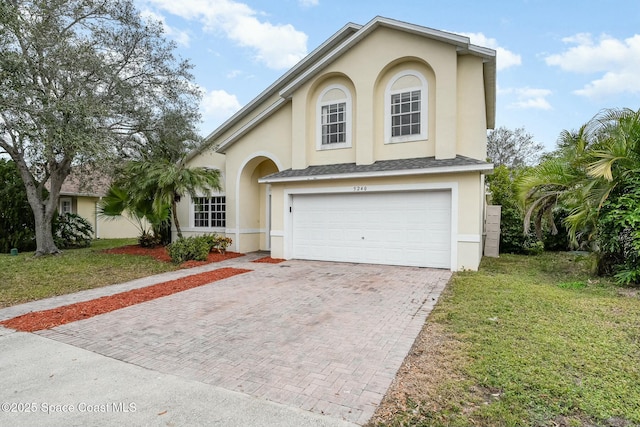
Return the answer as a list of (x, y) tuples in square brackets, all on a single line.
[(399, 228)]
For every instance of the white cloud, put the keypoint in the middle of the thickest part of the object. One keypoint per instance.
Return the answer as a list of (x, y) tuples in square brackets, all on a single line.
[(181, 37), (218, 105), (528, 98), (504, 57), (278, 46), (618, 62), (308, 3)]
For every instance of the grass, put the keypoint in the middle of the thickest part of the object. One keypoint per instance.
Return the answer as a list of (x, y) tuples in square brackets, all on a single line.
[(543, 344), (25, 278)]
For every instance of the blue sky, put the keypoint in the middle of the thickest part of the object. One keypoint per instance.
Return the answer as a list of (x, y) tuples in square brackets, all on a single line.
[(559, 62)]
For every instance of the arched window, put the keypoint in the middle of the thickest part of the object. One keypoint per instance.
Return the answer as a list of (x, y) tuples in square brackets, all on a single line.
[(405, 105), (334, 118)]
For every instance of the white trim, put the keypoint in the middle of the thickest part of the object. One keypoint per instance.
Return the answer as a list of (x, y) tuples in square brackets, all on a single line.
[(192, 222), (348, 118), (451, 186), (217, 230), (246, 230), (424, 107), (250, 157), (471, 238), (376, 174), (277, 233), (267, 212)]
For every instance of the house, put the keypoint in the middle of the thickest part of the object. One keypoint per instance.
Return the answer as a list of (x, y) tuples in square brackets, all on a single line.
[(80, 195), (370, 150)]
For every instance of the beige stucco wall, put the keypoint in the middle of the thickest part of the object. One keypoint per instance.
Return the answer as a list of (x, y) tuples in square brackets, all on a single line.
[(456, 103), (472, 114), (104, 228), (456, 123), (117, 228)]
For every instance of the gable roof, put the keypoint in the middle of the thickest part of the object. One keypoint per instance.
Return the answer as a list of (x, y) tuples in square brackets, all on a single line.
[(416, 166), (85, 184), (332, 49)]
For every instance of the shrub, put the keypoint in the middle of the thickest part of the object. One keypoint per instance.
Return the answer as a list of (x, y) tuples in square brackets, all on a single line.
[(189, 248), (72, 231), (149, 240), (535, 248), (618, 234), (503, 188), (503, 192), (217, 243)]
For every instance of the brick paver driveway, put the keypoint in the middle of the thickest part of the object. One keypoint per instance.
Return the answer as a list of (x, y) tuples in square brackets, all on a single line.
[(325, 337)]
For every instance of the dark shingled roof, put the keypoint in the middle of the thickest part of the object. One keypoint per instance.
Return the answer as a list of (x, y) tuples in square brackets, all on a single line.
[(379, 166)]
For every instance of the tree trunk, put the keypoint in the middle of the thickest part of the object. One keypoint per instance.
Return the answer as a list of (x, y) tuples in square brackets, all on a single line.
[(44, 208), (44, 234), (175, 218)]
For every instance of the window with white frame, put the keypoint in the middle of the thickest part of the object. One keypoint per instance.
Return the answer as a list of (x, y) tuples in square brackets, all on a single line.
[(406, 107), (209, 212), (334, 118), (66, 206), (334, 123)]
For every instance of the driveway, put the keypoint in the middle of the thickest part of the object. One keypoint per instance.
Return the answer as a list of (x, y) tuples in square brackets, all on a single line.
[(316, 336)]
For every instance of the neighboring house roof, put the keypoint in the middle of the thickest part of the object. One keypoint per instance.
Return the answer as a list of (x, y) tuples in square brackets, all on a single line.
[(332, 49), (85, 184), (419, 166)]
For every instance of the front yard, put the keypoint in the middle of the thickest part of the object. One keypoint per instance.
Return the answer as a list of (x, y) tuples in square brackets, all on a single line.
[(25, 278), (526, 341)]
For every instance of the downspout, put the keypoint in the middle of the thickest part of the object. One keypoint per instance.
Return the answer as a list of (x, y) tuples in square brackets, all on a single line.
[(97, 233)]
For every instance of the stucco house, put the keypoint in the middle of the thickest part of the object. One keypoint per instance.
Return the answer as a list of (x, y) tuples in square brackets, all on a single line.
[(371, 149), (78, 197)]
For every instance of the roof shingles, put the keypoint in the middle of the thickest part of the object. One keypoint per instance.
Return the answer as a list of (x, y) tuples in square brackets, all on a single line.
[(422, 163)]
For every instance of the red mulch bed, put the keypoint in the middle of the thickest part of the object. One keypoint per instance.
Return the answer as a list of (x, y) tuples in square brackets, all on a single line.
[(160, 253), (269, 260), (47, 319)]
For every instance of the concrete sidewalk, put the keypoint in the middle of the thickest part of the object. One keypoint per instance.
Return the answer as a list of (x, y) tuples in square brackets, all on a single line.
[(45, 382)]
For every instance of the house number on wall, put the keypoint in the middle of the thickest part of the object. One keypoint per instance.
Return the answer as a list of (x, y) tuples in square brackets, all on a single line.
[(359, 188)]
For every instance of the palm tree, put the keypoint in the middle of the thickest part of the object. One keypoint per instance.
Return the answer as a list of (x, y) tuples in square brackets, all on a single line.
[(557, 181), (619, 153), (165, 182), (120, 202), (595, 173)]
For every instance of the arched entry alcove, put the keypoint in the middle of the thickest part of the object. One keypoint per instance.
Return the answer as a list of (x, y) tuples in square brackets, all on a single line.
[(253, 205)]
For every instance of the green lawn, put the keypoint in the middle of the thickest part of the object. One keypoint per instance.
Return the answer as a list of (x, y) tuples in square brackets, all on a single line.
[(25, 278), (543, 344)]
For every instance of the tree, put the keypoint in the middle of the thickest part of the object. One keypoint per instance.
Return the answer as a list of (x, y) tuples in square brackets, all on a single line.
[(16, 219), (159, 161), (595, 175), (512, 148), (165, 182), (503, 193), (80, 80)]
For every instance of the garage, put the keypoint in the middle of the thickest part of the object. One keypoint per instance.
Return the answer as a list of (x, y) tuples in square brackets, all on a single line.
[(410, 228)]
